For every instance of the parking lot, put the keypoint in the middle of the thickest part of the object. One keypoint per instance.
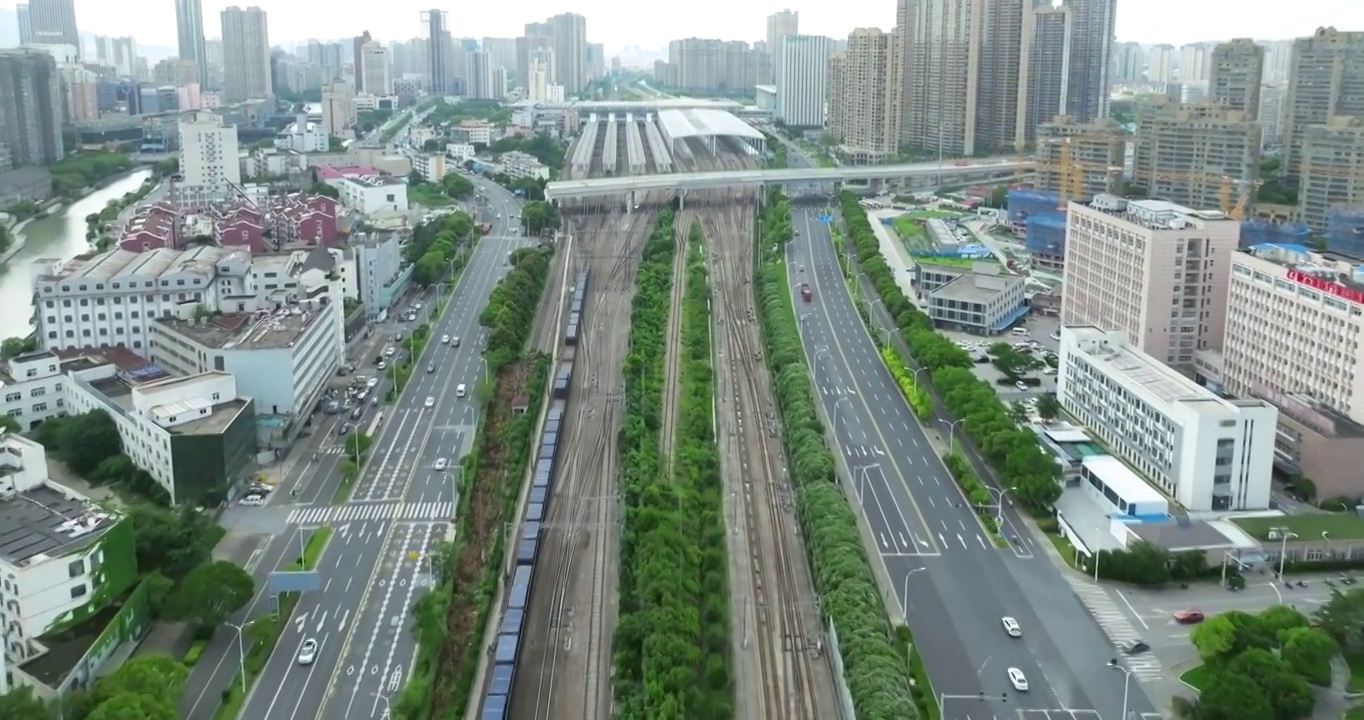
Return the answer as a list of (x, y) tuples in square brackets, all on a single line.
[(1040, 331)]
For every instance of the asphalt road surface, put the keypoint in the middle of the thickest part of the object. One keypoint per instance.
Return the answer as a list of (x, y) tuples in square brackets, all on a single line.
[(376, 564), (952, 582)]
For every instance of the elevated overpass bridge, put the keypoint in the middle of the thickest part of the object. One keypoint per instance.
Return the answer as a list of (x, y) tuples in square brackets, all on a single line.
[(959, 171)]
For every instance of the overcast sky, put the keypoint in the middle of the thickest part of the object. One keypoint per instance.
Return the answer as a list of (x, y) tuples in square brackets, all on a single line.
[(652, 24)]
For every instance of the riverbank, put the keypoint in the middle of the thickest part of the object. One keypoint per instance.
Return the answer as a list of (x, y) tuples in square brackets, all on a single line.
[(64, 205)]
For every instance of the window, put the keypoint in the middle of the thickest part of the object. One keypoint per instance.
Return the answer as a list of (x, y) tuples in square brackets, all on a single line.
[(78, 591), (76, 569)]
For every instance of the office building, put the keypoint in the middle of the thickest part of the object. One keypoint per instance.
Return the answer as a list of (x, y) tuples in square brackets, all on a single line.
[(62, 557), (1150, 269), (780, 25), (1294, 325), (195, 436), (1094, 152), (1235, 76), (372, 194), (338, 108), (246, 55), (439, 48), (31, 107), (358, 44), (802, 79), (1206, 452), (1326, 79), (210, 166), (1090, 47), (53, 22), (1196, 155), (858, 115), (980, 300), (1332, 183), (282, 360), (480, 76), (375, 71), (189, 32), (1044, 57)]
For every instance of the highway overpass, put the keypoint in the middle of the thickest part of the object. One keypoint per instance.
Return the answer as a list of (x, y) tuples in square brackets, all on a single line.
[(967, 170)]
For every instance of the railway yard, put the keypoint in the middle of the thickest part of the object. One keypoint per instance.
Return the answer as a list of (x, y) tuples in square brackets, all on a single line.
[(553, 656)]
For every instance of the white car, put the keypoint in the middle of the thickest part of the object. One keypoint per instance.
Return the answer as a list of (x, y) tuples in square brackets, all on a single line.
[(1017, 679), (1022, 386), (382, 365), (389, 351), (1011, 627), (430, 401), (442, 463), (252, 500), (307, 652), (444, 339)]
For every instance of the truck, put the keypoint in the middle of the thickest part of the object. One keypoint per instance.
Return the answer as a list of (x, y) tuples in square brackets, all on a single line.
[(805, 292)]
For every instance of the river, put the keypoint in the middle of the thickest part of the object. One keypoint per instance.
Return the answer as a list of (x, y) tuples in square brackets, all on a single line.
[(61, 236)]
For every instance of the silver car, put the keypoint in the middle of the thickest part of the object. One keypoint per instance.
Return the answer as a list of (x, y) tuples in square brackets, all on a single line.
[(307, 652)]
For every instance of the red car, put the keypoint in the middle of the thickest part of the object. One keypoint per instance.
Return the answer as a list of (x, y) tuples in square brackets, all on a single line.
[(805, 292), (1189, 617)]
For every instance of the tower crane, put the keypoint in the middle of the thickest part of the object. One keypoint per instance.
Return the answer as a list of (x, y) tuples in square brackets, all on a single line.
[(1236, 210)]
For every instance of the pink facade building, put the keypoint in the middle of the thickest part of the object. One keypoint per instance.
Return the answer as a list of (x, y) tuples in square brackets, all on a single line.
[(152, 227), (1156, 271)]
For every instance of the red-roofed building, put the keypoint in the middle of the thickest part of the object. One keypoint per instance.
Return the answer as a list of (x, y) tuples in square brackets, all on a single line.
[(151, 227), (241, 231), (303, 217)]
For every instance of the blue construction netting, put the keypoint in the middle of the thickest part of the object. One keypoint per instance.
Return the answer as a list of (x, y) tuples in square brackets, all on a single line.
[(1258, 232), (1345, 231), (1045, 234), (1025, 203)]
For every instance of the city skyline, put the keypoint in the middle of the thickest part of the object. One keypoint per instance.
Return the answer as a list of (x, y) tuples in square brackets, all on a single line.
[(1145, 22)]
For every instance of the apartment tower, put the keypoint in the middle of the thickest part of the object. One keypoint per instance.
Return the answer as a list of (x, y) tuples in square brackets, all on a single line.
[(1044, 58), (1326, 78), (940, 87), (1153, 270), (480, 71), (802, 79), (438, 51), (246, 55), (358, 44), (529, 49), (1090, 48), (1094, 150), (1332, 185), (569, 33), (338, 108), (780, 25), (209, 165), (31, 107), (1234, 76), (858, 112), (1195, 154), (189, 32)]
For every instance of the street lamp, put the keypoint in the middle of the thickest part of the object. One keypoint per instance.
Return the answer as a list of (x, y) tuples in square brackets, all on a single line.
[(860, 473), (916, 372), (1326, 538), (1126, 685), (951, 433), (1283, 550), (904, 603), (999, 501), (241, 653), (388, 709)]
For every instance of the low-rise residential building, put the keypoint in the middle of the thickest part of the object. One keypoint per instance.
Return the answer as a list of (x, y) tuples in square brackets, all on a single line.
[(432, 166), (272, 162), (516, 164), (380, 271), (460, 151), (474, 132), (63, 559), (282, 359), (195, 436), (1207, 452), (151, 227), (373, 194), (31, 388)]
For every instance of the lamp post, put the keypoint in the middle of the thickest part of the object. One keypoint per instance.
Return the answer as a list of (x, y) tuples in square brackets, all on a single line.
[(1326, 538), (860, 476), (241, 653), (388, 709), (1126, 685), (999, 502), (952, 433), (916, 372), (1283, 550)]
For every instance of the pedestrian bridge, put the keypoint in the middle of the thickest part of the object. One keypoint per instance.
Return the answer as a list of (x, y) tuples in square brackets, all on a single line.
[(964, 170)]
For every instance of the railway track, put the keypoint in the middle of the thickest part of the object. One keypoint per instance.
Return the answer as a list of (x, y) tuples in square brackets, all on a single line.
[(673, 358), (774, 599), (573, 609)]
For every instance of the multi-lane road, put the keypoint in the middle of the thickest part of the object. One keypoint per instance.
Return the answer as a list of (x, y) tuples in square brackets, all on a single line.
[(953, 584), (378, 559)]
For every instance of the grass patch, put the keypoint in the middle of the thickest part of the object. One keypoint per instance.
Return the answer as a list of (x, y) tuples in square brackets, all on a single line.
[(428, 196), (317, 541), (1197, 678), (342, 494), (907, 227), (1354, 713), (1340, 526), (1356, 663), (1062, 546), (196, 650)]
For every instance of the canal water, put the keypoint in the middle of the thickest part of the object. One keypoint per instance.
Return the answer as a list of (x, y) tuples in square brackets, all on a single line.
[(60, 236)]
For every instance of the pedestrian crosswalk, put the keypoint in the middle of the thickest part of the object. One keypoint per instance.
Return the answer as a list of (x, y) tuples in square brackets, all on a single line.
[(372, 511), (1116, 625)]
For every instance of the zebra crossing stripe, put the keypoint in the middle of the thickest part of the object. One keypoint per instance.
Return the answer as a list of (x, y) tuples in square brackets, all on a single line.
[(372, 511), (1116, 626)]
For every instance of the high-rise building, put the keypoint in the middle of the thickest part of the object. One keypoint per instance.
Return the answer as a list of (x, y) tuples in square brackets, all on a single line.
[(1190, 153), (31, 107), (246, 55), (596, 61), (209, 164), (1129, 63), (480, 76), (501, 52), (189, 33), (1278, 60), (338, 108), (1044, 61), (1094, 151), (1326, 78), (25, 21), (858, 83), (1153, 270), (358, 44), (1091, 43), (1160, 64), (375, 70), (500, 83), (997, 33), (703, 65), (53, 22), (569, 31), (802, 77), (940, 92), (1194, 62), (1234, 75), (1271, 114), (439, 49), (79, 88), (780, 25), (1333, 176), (528, 48)]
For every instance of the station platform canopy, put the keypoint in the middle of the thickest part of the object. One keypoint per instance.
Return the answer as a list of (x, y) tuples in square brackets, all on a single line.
[(704, 123)]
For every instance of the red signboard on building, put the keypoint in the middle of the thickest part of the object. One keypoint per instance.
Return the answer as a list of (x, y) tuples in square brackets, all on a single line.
[(1327, 286)]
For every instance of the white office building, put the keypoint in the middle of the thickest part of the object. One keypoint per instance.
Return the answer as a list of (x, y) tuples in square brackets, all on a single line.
[(1206, 452), (802, 79), (282, 359), (302, 136), (31, 388), (372, 194), (210, 163), (376, 67)]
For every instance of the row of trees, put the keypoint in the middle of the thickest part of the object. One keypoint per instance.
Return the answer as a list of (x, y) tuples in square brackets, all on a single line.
[(450, 618), (1260, 667), (672, 647), (544, 147), (82, 170), (874, 665), (1013, 451), (146, 687), (1144, 563), (437, 244), (778, 150)]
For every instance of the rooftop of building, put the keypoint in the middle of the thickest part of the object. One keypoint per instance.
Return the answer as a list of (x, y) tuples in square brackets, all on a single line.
[(1153, 214), (246, 331), (373, 181), (340, 171), (1112, 355), (1183, 534), (1123, 481), (703, 122), (153, 378), (1332, 267), (976, 288), (1307, 526), (117, 264), (44, 521)]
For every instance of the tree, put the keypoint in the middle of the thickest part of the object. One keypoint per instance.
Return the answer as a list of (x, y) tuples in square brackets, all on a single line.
[(156, 675), (1308, 651), (171, 542), (21, 704), (86, 440), (457, 186), (1276, 619), (133, 707), (429, 268), (321, 188), (1048, 407), (211, 592), (13, 346), (1230, 696), (1230, 635), (1342, 617), (538, 216), (8, 423)]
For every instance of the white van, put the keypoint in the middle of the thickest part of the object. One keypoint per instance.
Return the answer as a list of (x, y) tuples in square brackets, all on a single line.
[(461, 391), (1020, 331)]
